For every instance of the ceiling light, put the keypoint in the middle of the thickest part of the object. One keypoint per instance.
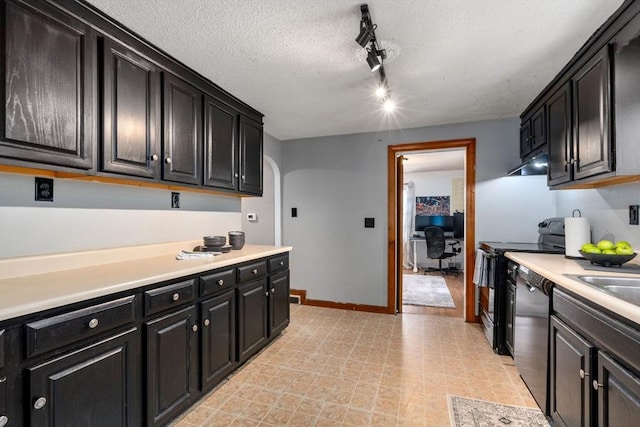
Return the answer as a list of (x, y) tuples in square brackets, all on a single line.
[(365, 35), (389, 105), (381, 91), (372, 60)]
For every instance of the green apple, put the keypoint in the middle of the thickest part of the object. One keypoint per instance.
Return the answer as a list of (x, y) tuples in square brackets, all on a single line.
[(623, 244), (605, 244), (624, 250), (587, 246), (609, 252), (592, 250)]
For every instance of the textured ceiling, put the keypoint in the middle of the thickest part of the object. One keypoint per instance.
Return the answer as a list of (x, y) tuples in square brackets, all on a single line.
[(297, 62)]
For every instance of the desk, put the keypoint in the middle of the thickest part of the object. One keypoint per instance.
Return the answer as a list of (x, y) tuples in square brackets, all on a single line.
[(415, 239)]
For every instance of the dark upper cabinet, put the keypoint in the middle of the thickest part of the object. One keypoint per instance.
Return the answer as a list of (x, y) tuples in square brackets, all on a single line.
[(525, 138), (97, 385), (182, 144), (559, 136), (49, 99), (220, 145), (172, 361), (618, 394), (250, 157), (533, 134), (591, 121), (218, 338), (131, 112), (570, 372), (252, 318)]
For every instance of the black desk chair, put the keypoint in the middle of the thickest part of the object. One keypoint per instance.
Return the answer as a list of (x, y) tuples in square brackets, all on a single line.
[(436, 244)]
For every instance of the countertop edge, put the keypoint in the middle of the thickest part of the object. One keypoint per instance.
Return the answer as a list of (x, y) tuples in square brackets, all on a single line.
[(554, 267)]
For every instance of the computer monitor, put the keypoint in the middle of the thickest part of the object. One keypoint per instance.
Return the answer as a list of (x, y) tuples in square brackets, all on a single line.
[(443, 221)]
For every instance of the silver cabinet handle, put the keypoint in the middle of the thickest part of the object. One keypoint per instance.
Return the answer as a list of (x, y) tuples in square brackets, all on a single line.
[(273, 290), (596, 385), (235, 175), (154, 157), (583, 373), (168, 160), (266, 294), (39, 403), (93, 323), (3, 420), (220, 282), (175, 296), (243, 177), (281, 263), (195, 328), (207, 322), (254, 271)]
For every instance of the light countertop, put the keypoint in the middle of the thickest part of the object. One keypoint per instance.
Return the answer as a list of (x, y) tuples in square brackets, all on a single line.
[(81, 276), (554, 268)]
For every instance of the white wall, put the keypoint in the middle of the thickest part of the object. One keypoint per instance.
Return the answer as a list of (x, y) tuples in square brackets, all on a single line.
[(433, 183), (336, 181)]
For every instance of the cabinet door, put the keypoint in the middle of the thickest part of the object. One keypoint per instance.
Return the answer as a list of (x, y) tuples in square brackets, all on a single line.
[(618, 394), (49, 89), (95, 386), (4, 414), (570, 373), (182, 131), (172, 359), (559, 124), (252, 318), (510, 315), (221, 145), (131, 112), (250, 157), (525, 138), (591, 136), (538, 130), (218, 338), (278, 303)]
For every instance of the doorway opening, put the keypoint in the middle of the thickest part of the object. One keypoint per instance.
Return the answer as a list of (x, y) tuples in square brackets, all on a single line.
[(395, 264)]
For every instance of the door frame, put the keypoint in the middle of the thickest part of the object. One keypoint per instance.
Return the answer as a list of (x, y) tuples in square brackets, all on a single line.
[(394, 232)]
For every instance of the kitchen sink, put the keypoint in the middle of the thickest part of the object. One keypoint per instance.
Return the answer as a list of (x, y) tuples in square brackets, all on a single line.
[(626, 288)]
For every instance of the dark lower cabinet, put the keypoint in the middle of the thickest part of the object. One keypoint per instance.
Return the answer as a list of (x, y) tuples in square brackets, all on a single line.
[(4, 413), (510, 314), (50, 86), (172, 364), (250, 157), (570, 371), (252, 318), (130, 112), (218, 317), (618, 394), (278, 303), (97, 385)]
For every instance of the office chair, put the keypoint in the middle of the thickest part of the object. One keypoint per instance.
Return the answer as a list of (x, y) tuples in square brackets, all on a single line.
[(436, 243)]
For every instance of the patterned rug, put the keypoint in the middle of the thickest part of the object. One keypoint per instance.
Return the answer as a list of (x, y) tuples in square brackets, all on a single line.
[(430, 291), (465, 412)]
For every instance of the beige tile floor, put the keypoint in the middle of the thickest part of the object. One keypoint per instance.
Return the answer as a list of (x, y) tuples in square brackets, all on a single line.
[(343, 368)]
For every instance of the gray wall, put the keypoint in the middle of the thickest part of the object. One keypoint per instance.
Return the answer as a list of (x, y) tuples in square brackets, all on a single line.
[(337, 181)]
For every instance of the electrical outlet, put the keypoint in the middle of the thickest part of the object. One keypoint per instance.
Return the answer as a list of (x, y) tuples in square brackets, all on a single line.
[(175, 200), (633, 214), (44, 189)]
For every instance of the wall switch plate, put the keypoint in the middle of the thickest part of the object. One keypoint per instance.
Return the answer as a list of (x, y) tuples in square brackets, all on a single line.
[(633, 214), (252, 217), (369, 223), (175, 200), (294, 212), (44, 189)]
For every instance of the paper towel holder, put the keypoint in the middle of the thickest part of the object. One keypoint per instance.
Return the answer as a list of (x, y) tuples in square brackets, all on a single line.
[(573, 214)]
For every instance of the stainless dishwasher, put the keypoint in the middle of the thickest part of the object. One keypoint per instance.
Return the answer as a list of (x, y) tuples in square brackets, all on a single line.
[(531, 332)]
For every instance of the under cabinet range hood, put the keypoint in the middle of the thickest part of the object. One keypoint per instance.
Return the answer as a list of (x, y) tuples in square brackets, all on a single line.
[(536, 165)]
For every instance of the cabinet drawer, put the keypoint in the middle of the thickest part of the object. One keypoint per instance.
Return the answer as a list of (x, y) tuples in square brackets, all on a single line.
[(157, 300), (252, 271), (279, 263), (55, 332), (218, 281)]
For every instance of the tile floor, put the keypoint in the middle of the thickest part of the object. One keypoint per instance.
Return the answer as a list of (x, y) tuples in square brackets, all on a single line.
[(343, 368)]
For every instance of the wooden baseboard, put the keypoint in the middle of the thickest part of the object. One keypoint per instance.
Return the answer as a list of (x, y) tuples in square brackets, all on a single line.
[(347, 306)]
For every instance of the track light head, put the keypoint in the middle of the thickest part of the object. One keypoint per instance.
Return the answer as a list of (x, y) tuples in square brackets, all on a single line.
[(372, 60), (365, 35)]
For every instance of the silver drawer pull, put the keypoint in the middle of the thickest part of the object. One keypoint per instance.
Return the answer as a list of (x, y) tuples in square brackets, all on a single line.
[(266, 294), (154, 157), (3, 420), (273, 290), (207, 322), (175, 296), (168, 160), (220, 282), (281, 263), (596, 385), (39, 403), (93, 323), (195, 328), (583, 373), (254, 271)]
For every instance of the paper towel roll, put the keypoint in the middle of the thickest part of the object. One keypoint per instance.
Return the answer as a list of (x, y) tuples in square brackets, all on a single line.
[(577, 232)]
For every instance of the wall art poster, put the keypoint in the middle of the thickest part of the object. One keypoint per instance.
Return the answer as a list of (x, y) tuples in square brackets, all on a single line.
[(433, 205)]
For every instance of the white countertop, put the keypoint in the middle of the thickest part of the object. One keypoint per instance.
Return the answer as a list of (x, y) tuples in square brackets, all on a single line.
[(554, 268), (81, 276)]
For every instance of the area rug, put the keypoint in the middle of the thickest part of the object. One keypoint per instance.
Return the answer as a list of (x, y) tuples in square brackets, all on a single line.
[(429, 291), (465, 412)]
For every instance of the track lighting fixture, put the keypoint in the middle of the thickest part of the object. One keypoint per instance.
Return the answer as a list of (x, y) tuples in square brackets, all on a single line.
[(375, 56)]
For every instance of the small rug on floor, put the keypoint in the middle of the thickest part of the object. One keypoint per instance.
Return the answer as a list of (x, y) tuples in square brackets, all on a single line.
[(429, 291), (465, 412)]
